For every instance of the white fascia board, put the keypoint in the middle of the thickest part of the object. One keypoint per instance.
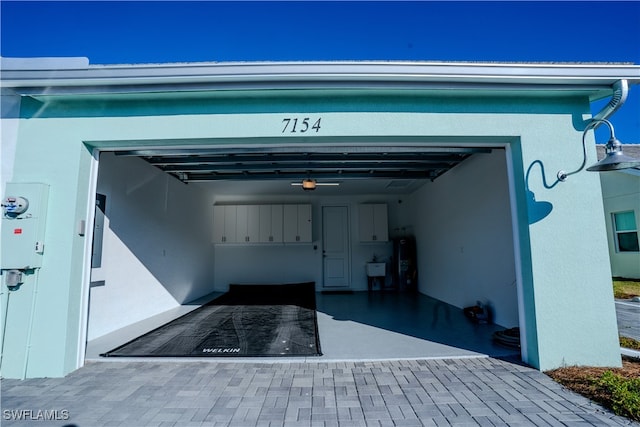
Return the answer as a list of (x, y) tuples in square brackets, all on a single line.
[(32, 80)]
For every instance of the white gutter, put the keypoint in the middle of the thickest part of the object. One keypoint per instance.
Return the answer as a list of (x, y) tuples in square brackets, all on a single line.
[(77, 76)]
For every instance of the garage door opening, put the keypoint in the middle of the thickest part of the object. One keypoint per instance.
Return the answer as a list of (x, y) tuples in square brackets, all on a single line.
[(158, 254)]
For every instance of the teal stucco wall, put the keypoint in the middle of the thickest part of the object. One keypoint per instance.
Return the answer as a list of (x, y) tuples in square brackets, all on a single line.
[(566, 302)]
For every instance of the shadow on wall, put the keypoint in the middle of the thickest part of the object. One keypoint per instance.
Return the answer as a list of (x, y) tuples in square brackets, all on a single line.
[(537, 210), (165, 224)]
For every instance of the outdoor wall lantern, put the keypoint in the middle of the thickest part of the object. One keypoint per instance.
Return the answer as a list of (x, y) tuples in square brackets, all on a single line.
[(615, 159)]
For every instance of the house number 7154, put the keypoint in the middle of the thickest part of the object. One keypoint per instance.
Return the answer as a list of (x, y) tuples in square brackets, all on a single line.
[(295, 124)]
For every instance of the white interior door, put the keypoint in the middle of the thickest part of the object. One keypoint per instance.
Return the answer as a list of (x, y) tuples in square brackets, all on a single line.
[(335, 247)]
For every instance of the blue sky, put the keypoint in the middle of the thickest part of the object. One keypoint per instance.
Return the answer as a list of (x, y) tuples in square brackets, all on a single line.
[(165, 31)]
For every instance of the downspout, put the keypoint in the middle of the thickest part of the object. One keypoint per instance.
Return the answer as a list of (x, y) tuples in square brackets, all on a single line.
[(620, 92)]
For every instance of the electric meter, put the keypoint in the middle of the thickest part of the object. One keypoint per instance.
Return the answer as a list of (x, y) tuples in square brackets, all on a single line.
[(14, 206)]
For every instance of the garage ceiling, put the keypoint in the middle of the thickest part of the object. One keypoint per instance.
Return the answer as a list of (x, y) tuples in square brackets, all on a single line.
[(322, 163)]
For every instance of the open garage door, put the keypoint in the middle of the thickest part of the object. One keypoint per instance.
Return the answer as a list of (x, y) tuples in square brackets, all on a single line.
[(160, 259)]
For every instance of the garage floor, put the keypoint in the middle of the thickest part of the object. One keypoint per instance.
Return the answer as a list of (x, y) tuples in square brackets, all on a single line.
[(363, 326)]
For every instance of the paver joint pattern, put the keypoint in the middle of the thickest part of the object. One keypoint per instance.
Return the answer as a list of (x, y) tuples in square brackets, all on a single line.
[(455, 392)]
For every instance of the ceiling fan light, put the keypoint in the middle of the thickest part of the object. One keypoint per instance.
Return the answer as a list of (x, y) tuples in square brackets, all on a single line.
[(309, 184)]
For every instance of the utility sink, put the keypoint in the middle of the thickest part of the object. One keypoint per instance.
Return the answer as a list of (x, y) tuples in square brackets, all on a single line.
[(376, 269)]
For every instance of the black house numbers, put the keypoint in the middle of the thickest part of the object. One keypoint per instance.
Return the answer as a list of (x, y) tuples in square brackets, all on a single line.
[(300, 125)]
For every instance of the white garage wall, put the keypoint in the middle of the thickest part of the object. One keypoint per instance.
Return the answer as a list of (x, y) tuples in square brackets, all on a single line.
[(157, 250), (266, 264), (464, 238)]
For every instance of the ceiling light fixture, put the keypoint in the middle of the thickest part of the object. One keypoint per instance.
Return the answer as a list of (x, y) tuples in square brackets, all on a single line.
[(311, 184), (615, 159)]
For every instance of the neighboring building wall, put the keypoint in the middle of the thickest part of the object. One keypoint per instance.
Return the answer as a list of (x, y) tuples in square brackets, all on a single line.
[(621, 193), (466, 251)]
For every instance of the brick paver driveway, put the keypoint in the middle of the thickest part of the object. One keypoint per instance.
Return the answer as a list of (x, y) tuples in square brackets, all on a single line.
[(461, 392)]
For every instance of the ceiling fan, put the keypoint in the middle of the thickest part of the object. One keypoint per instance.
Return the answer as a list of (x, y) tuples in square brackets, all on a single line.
[(311, 184)]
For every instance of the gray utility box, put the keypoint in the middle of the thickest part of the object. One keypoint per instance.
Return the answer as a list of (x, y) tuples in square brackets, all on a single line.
[(24, 212)]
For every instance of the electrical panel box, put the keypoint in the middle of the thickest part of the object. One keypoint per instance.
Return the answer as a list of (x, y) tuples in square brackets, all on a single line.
[(24, 212), (98, 231)]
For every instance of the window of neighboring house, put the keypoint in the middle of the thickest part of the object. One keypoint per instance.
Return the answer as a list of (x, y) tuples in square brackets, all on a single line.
[(626, 231)]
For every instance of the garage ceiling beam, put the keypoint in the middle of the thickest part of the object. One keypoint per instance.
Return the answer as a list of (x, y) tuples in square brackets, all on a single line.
[(300, 162), (312, 166), (308, 157), (296, 176)]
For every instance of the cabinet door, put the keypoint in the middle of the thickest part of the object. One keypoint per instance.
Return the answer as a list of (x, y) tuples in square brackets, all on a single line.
[(380, 223), (305, 225), (365, 224), (247, 223), (242, 215), (253, 224), (218, 224), (230, 222), (271, 223), (276, 223), (297, 225), (374, 222), (265, 224), (290, 223), (224, 224)]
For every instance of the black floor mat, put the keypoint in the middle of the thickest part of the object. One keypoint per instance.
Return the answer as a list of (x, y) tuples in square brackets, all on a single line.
[(249, 320)]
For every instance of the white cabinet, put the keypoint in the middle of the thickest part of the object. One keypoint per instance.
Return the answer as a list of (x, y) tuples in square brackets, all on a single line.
[(297, 223), (224, 224), (271, 221), (247, 223), (373, 222), (261, 224)]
